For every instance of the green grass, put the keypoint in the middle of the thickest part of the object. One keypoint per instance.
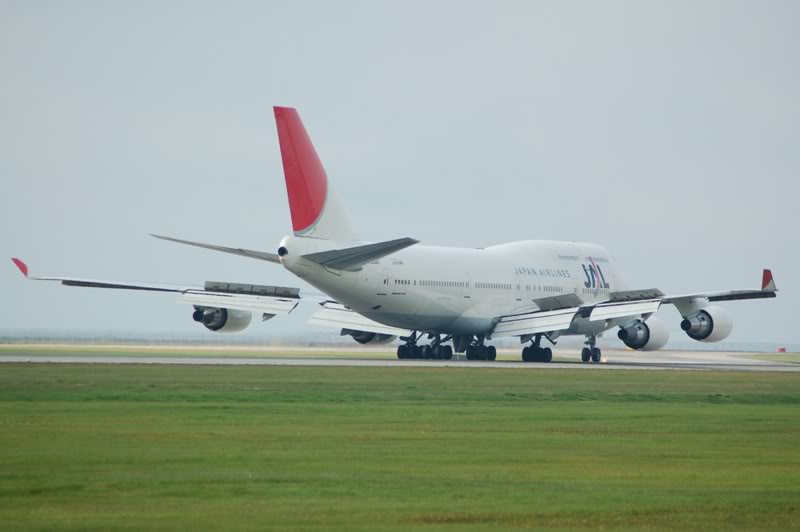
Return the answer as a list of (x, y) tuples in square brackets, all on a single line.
[(96, 447), (190, 351)]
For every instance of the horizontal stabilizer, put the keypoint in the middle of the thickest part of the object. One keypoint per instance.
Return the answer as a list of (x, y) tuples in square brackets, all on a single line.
[(242, 252), (352, 259)]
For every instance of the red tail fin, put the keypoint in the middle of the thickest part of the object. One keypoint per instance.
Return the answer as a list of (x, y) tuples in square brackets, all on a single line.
[(310, 202)]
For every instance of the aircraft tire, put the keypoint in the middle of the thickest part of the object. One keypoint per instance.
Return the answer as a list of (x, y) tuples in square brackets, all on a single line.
[(526, 354), (491, 353), (596, 354), (402, 352), (586, 355), (448, 352), (547, 355)]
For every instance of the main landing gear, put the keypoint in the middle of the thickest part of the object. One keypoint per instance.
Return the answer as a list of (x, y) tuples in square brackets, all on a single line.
[(435, 351), (537, 353), (481, 352), (591, 351)]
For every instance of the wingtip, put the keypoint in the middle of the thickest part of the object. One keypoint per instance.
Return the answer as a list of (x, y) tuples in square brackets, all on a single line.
[(21, 265), (767, 281)]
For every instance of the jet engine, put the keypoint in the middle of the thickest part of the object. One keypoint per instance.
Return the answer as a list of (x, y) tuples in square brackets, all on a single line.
[(711, 324), (363, 337), (650, 335), (222, 319)]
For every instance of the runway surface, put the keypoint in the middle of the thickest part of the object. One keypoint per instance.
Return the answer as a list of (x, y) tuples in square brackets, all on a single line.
[(614, 360)]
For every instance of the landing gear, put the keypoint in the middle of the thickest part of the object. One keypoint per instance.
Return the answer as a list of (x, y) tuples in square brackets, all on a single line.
[(591, 351), (435, 351), (409, 350), (537, 353), (481, 352)]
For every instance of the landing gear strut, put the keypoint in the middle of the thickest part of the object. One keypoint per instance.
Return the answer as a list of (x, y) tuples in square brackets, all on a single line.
[(536, 353), (591, 351), (479, 351)]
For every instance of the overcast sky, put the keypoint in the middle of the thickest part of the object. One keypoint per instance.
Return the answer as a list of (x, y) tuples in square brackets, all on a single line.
[(667, 131)]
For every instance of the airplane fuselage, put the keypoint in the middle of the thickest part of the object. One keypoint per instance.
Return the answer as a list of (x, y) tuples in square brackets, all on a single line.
[(463, 290)]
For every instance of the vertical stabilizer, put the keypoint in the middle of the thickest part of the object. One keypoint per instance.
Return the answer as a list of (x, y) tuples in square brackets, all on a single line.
[(315, 211)]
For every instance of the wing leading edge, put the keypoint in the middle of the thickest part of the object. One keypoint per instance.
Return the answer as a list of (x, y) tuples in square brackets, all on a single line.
[(271, 300)]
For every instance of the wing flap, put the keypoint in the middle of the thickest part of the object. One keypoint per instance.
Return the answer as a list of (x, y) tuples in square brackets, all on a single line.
[(558, 302), (250, 303), (534, 323), (608, 311), (335, 315)]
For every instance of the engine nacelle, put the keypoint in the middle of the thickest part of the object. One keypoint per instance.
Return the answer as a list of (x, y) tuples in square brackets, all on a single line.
[(650, 335), (364, 337), (711, 324), (222, 319)]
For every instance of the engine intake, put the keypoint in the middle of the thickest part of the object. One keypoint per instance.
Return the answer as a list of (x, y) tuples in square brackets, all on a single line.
[(712, 324), (651, 335), (222, 319)]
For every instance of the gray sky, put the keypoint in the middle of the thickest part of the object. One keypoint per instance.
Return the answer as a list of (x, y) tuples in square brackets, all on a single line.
[(667, 131)]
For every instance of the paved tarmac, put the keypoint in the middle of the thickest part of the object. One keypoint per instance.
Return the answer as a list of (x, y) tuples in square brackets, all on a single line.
[(619, 360)]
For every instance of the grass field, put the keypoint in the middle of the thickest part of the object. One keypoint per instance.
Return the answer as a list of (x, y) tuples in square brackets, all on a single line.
[(101, 447)]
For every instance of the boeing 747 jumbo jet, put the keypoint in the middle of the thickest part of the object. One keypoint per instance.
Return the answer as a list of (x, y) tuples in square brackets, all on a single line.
[(378, 291)]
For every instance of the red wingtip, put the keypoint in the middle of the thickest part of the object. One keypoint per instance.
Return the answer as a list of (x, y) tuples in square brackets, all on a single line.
[(767, 283), (21, 265)]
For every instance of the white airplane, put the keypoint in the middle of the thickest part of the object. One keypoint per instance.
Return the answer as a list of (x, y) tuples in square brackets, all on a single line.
[(375, 292)]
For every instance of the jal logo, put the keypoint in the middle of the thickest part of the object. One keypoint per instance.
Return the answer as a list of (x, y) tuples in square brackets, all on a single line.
[(594, 275)]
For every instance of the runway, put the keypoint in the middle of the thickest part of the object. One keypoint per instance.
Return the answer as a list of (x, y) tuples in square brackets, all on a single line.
[(614, 360)]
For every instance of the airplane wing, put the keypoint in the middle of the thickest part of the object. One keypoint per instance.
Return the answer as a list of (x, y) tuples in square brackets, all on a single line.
[(269, 300), (333, 314), (633, 303), (768, 289)]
